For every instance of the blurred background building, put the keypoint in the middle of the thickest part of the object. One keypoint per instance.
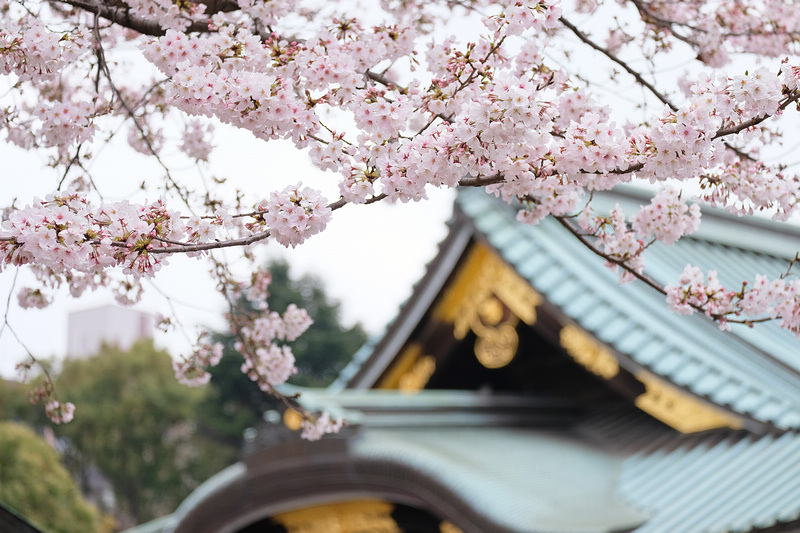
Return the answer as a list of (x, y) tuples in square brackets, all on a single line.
[(115, 326)]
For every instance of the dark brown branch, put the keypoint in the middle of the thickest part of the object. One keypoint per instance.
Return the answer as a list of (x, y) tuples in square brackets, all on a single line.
[(649, 18), (585, 38), (564, 221), (244, 241), (482, 181), (755, 121), (120, 14)]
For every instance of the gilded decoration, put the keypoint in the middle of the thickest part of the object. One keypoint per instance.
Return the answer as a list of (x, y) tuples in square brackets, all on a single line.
[(588, 352), (364, 516), (495, 347), (679, 409), (449, 527), (403, 364), (411, 372), (489, 298), (292, 419), (418, 376)]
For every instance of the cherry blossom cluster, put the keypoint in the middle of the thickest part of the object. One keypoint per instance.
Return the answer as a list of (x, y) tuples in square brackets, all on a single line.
[(314, 429), (65, 123), (523, 15), (295, 214), (64, 234), (698, 290), (29, 297), (59, 413), (191, 370), (173, 15), (196, 141), (668, 217), (777, 298), (618, 243), (390, 108), (31, 51), (267, 363)]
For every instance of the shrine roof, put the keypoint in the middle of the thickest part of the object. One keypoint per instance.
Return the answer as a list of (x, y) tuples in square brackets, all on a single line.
[(618, 470), (522, 480), (754, 372), (738, 483)]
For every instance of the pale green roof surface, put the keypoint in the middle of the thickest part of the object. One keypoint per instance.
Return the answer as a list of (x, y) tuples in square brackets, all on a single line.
[(734, 485), (524, 480)]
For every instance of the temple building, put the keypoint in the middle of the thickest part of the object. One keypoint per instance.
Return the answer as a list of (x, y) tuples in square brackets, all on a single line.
[(522, 389)]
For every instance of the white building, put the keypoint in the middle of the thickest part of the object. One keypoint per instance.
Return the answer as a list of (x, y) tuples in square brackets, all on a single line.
[(116, 326)]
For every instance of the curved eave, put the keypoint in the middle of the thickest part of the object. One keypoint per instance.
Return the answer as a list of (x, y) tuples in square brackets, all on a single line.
[(502, 480), (633, 320)]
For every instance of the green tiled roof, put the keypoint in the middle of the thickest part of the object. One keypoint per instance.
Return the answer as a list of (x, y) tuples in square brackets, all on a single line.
[(755, 372), (522, 480), (531, 465), (736, 484)]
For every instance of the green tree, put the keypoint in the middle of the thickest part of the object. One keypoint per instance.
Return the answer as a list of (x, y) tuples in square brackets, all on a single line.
[(15, 406), (235, 402), (35, 484), (135, 422), (327, 346)]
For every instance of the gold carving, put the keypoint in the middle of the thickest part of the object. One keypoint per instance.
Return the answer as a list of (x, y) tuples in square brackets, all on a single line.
[(491, 311), (403, 364), (292, 419), (419, 375), (588, 352), (679, 409), (477, 299), (449, 527), (496, 347), (483, 276), (364, 516)]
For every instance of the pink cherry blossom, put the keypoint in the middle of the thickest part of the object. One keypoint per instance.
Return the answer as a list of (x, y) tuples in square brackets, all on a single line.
[(390, 105)]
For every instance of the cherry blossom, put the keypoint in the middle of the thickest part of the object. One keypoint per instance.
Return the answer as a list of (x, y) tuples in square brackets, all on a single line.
[(60, 413), (390, 105), (192, 370), (314, 429)]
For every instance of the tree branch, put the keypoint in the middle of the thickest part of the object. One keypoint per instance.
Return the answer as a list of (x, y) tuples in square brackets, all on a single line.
[(564, 221), (585, 38), (120, 14), (482, 181), (755, 121)]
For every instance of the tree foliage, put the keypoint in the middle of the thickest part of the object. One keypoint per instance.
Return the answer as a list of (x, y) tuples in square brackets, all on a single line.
[(35, 484), (138, 426), (15, 405)]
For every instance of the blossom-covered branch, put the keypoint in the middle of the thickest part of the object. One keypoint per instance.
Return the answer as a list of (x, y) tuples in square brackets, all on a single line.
[(389, 109)]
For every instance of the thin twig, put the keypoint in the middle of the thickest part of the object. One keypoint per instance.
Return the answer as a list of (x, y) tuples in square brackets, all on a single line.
[(646, 279), (585, 38)]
